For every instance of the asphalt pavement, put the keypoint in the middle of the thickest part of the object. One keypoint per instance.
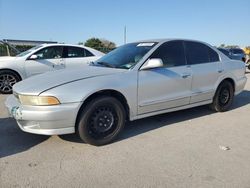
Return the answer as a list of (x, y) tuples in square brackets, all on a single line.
[(189, 148)]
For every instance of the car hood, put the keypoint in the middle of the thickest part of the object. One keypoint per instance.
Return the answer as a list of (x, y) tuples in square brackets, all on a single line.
[(37, 84)]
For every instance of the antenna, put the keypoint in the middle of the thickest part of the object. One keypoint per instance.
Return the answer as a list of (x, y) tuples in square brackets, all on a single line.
[(125, 34)]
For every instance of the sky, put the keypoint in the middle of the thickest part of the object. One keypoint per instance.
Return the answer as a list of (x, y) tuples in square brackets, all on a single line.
[(72, 21)]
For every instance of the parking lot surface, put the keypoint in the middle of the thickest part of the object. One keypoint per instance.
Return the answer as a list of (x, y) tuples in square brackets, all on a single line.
[(189, 148)]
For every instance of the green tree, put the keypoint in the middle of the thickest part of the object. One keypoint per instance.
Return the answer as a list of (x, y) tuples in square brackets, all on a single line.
[(94, 43), (222, 46), (108, 44), (102, 45)]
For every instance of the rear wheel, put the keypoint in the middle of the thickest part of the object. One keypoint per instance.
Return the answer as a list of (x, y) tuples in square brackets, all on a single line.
[(7, 80), (101, 121), (223, 98)]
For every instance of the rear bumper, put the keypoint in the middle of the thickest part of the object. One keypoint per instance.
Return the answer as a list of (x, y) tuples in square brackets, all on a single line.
[(240, 84), (45, 120)]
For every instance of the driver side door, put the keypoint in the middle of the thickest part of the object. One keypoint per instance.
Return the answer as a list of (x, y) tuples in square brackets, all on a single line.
[(48, 59)]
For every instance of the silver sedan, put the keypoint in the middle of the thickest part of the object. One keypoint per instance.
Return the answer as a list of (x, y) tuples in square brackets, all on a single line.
[(134, 81)]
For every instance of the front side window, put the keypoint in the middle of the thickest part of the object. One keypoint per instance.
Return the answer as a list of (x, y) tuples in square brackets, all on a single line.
[(74, 52), (171, 53), (53, 52), (198, 53)]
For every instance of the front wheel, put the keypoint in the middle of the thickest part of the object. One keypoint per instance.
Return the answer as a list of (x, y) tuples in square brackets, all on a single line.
[(7, 80), (101, 121), (223, 97)]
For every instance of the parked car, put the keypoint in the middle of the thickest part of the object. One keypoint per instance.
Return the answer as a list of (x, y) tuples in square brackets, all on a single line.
[(134, 81), (234, 53), (43, 58), (248, 61), (237, 53)]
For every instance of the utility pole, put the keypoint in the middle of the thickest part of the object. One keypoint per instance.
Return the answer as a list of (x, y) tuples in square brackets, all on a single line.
[(125, 34)]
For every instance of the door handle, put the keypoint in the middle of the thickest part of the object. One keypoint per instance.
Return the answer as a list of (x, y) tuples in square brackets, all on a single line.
[(185, 75)]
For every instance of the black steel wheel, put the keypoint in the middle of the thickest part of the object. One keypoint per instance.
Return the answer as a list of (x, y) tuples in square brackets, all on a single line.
[(101, 121), (7, 80), (223, 97)]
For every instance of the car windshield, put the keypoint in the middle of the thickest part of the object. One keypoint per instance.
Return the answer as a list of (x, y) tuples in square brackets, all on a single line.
[(29, 51), (126, 56)]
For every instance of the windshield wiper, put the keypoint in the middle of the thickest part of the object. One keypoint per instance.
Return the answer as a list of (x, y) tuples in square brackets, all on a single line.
[(106, 64)]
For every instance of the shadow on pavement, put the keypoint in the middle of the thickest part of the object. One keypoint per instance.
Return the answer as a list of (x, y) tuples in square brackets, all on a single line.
[(147, 124), (155, 122), (13, 140), (241, 100), (71, 138)]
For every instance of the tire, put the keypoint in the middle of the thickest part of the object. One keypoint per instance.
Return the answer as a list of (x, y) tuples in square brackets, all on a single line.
[(101, 121), (223, 97), (7, 79), (248, 67)]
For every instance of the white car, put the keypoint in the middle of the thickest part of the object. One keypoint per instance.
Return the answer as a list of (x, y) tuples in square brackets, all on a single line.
[(43, 58)]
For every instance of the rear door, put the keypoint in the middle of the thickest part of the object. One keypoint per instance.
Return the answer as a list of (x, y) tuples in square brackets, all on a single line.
[(166, 87), (206, 68), (48, 59), (75, 56)]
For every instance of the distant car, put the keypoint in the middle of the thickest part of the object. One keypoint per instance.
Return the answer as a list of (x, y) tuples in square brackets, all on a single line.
[(40, 59), (134, 81), (248, 62), (234, 53), (237, 53)]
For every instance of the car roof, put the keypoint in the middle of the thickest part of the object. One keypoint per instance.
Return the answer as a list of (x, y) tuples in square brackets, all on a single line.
[(169, 39)]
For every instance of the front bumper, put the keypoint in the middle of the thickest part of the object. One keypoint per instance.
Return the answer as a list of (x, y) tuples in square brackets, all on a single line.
[(45, 120)]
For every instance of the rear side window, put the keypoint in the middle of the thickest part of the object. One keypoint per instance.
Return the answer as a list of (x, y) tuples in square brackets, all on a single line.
[(198, 53), (74, 52), (171, 53)]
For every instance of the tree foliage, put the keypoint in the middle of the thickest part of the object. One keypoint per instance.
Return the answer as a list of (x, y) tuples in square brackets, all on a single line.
[(100, 44), (228, 46), (94, 43)]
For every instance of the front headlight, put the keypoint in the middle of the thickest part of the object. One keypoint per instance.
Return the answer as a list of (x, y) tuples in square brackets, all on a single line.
[(38, 100)]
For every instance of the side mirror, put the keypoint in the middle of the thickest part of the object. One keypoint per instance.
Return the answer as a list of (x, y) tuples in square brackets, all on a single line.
[(152, 63), (33, 57)]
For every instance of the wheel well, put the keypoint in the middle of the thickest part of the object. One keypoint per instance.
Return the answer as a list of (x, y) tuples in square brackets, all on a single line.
[(231, 81), (12, 71), (112, 93)]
